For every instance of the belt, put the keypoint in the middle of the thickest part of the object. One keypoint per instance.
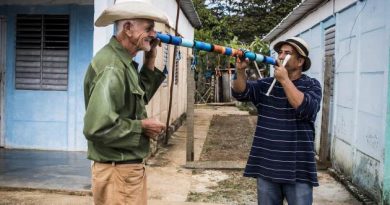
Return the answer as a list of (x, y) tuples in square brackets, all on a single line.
[(133, 161)]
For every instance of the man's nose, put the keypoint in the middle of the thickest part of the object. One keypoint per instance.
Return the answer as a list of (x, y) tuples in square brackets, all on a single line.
[(153, 33), (281, 56)]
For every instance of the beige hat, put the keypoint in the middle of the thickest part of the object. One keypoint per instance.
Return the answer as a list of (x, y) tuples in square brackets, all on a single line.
[(300, 45), (131, 9)]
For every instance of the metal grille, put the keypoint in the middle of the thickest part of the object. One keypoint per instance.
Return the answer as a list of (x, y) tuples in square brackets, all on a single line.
[(330, 41), (42, 52), (330, 36)]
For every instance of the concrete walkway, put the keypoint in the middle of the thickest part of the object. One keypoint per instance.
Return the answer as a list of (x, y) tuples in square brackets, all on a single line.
[(168, 181)]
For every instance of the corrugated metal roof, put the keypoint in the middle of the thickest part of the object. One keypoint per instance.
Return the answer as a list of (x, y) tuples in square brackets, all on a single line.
[(189, 11), (301, 10)]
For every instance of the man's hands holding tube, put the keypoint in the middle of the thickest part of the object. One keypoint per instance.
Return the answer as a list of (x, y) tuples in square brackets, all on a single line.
[(239, 84), (150, 56)]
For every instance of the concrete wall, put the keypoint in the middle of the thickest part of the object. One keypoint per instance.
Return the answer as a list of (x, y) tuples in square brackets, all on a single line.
[(48, 119), (361, 98)]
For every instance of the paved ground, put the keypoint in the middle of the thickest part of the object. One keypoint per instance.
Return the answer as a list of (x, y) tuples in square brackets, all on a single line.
[(169, 183)]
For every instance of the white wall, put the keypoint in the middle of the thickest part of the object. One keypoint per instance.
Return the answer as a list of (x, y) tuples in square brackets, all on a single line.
[(361, 84), (46, 2), (314, 18), (101, 35), (184, 28), (158, 107)]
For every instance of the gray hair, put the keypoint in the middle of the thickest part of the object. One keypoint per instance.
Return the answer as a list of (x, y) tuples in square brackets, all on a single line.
[(120, 23)]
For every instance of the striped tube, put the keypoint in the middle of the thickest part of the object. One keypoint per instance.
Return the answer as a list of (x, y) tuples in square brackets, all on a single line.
[(199, 45), (187, 43)]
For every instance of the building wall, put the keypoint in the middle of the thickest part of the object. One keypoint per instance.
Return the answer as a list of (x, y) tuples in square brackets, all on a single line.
[(360, 98), (48, 119), (53, 120), (158, 106)]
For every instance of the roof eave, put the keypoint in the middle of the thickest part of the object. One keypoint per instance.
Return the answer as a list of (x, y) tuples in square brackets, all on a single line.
[(300, 11), (189, 11)]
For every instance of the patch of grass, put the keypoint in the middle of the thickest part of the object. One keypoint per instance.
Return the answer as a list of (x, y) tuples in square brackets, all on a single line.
[(247, 106), (227, 135), (236, 190)]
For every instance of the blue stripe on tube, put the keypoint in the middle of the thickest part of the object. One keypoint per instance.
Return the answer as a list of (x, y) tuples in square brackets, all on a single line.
[(163, 37), (203, 46), (228, 51), (176, 40), (269, 60)]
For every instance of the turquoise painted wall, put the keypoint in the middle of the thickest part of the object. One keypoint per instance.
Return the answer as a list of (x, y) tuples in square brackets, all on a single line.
[(50, 120)]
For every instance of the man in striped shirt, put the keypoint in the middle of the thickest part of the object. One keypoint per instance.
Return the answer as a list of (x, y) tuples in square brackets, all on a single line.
[(282, 153)]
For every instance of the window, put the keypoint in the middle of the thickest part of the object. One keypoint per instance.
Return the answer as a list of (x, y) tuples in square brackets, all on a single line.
[(42, 52)]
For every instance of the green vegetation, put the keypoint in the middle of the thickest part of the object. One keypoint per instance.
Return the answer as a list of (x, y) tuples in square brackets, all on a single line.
[(238, 24)]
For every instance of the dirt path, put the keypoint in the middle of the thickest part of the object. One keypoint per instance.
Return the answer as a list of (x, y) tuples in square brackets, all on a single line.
[(169, 183)]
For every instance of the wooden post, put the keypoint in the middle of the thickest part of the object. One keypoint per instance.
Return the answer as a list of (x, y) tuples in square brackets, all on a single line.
[(190, 112), (324, 140)]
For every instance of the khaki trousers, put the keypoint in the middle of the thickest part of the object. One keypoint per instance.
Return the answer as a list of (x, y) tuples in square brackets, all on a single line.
[(119, 184)]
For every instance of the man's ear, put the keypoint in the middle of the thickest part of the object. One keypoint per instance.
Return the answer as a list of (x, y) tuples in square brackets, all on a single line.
[(127, 27), (301, 61)]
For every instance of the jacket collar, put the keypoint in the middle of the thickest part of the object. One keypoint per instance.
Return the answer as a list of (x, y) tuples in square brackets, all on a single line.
[(123, 54)]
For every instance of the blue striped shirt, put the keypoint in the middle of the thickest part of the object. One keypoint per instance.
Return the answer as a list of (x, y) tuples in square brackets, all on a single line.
[(283, 145)]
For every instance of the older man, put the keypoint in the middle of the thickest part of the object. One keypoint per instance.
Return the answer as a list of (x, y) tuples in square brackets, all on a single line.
[(116, 124), (282, 153)]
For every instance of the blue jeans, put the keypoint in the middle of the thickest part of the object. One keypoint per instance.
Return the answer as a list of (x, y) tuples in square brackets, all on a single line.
[(271, 193)]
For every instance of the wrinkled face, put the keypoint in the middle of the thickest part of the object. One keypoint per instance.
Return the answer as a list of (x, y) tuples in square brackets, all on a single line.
[(142, 33), (296, 61)]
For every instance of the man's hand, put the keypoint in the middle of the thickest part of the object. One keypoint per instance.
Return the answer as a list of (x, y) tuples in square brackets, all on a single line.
[(239, 84), (280, 73), (241, 65), (150, 56), (152, 128)]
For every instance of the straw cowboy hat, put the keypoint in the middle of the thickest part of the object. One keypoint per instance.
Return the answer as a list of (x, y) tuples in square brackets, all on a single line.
[(131, 9), (300, 45)]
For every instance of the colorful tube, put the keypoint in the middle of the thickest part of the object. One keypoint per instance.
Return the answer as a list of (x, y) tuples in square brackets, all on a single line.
[(187, 43), (228, 51), (269, 60), (164, 38), (239, 53), (259, 58), (250, 55), (203, 46), (219, 49), (174, 40)]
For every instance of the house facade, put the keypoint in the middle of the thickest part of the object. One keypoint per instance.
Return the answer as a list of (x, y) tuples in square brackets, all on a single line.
[(45, 49), (349, 49)]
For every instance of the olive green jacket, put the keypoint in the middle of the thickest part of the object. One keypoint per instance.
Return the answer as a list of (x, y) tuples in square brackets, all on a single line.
[(115, 98)]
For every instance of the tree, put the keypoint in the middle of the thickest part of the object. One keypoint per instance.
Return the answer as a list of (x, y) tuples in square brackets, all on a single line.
[(238, 24), (250, 18)]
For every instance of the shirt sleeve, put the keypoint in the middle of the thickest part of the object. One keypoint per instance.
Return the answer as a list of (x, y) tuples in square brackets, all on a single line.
[(102, 122), (150, 81), (251, 92), (311, 101)]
